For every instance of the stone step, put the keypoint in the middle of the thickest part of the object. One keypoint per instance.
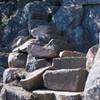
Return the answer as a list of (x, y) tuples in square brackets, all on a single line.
[(9, 92), (56, 95), (69, 62), (65, 79), (34, 79)]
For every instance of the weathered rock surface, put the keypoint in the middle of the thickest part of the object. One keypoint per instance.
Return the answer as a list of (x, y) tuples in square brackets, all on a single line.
[(4, 58), (58, 45), (36, 23), (91, 23), (23, 47), (11, 31), (69, 62), (45, 33), (68, 16), (41, 52), (91, 56), (8, 8), (75, 37), (36, 10), (93, 80), (33, 63), (17, 60), (34, 79), (54, 2), (65, 79), (15, 93), (1, 70), (19, 41), (93, 92), (81, 2), (12, 74), (56, 95), (67, 53)]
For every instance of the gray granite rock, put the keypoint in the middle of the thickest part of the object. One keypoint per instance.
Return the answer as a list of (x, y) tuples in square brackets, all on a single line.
[(68, 16), (93, 80), (33, 63), (59, 45), (34, 79), (91, 25), (91, 56), (81, 2), (69, 62), (23, 48), (19, 41), (12, 74), (17, 60), (67, 53), (44, 33), (65, 79), (41, 52), (57, 95)]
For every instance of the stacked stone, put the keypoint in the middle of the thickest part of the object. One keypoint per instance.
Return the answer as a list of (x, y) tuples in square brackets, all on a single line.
[(42, 64)]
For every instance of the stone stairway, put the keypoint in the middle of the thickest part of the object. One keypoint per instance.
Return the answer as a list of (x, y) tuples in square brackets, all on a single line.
[(64, 80)]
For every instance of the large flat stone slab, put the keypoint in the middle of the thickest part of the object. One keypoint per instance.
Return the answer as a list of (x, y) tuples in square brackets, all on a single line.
[(69, 62), (34, 79), (56, 95), (41, 52), (65, 79)]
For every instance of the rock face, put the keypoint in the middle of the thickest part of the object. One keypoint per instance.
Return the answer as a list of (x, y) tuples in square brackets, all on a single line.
[(68, 19), (34, 79), (91, 24), (12, 74), (17, 60), (33, 63), (33, 10), (69, 62), (65, 79), (15, 93), (91, 56), (75, 36), (68, 16), (4, 58), (93, 80)]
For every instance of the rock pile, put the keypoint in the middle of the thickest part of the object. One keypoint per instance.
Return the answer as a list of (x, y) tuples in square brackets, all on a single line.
[(45, 45), (44, 62)]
